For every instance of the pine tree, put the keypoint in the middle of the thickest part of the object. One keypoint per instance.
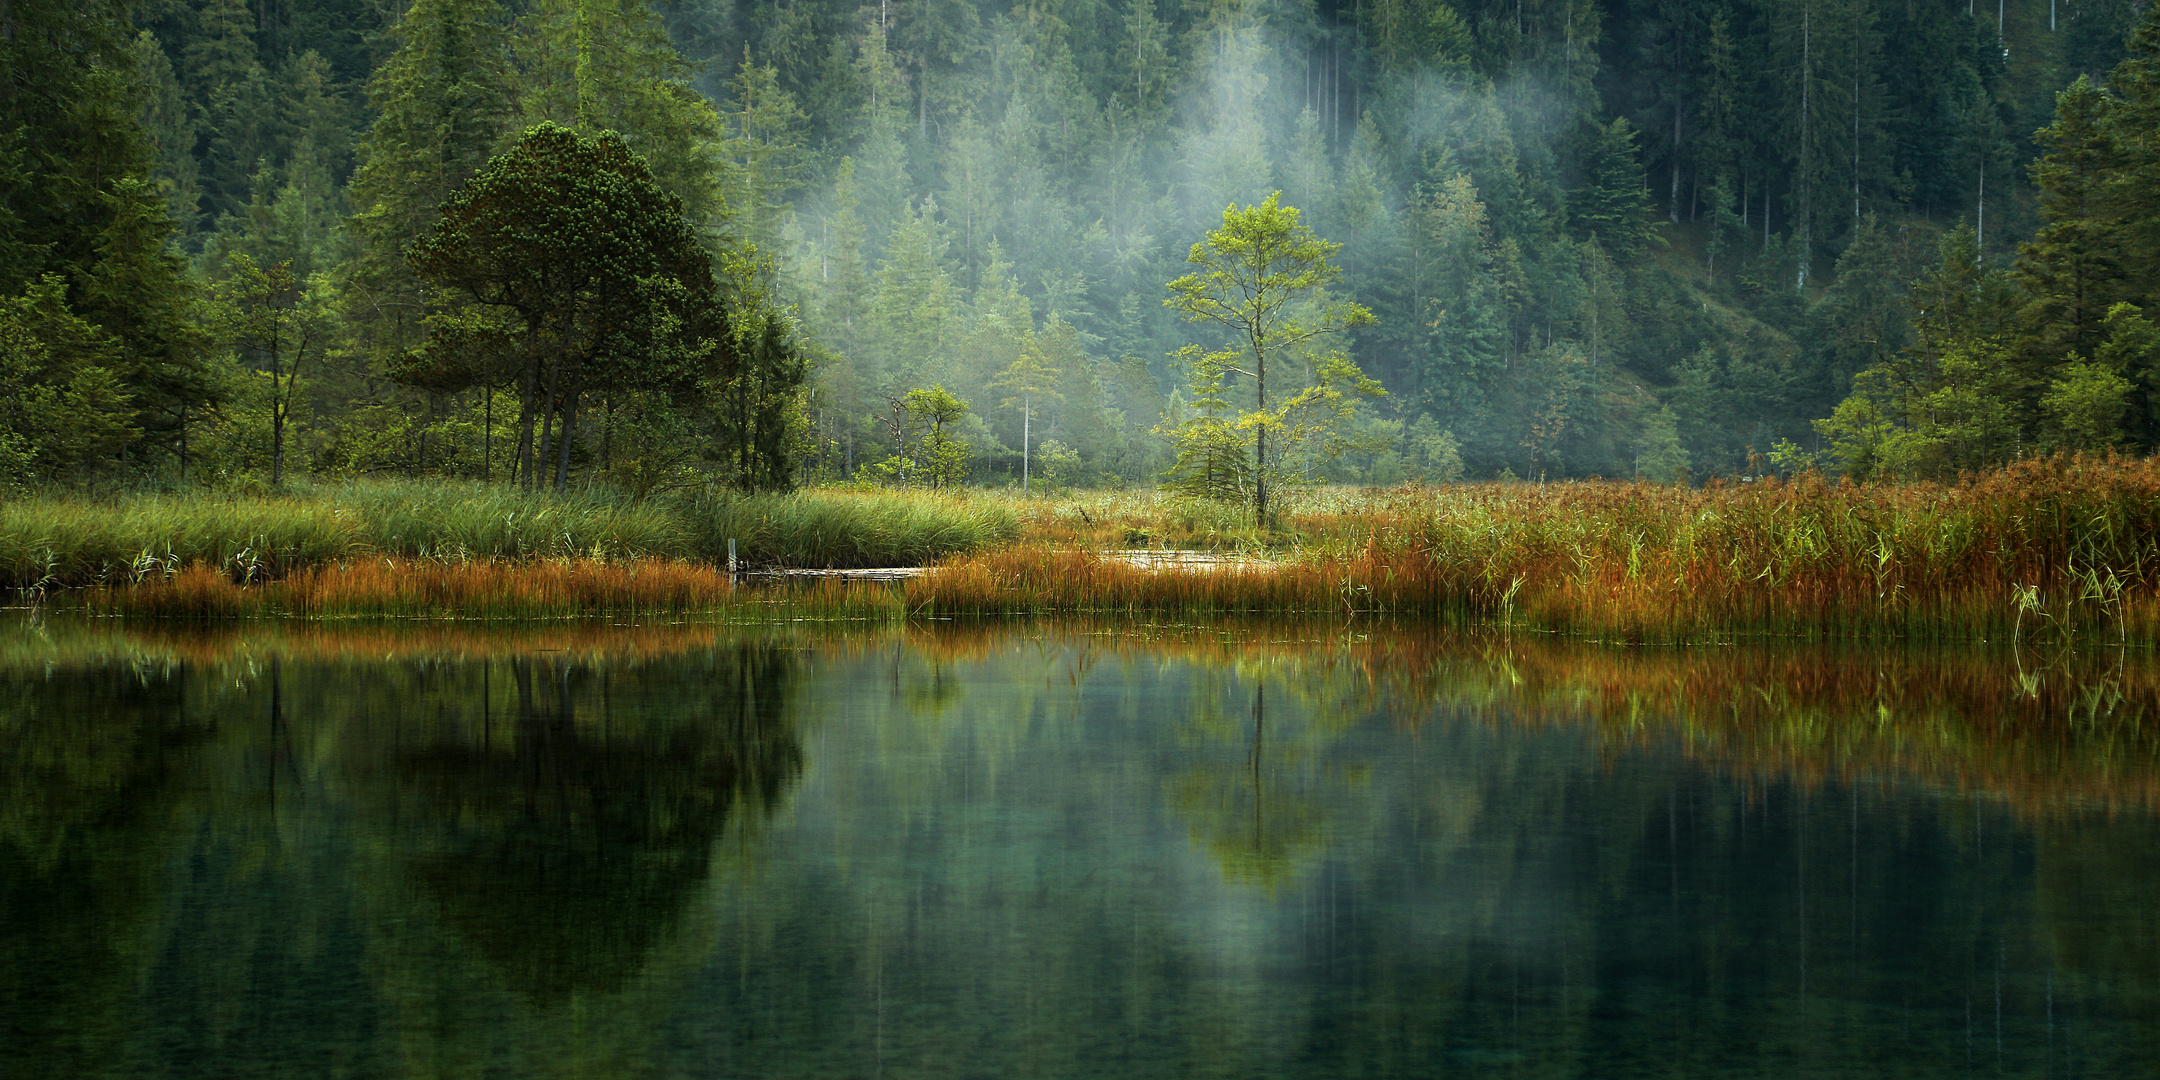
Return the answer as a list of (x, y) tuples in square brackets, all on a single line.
[(764, 151), (2135, 185), (1612, 204), (2071, 271), (170, 123), (596, 65), (442, 102), (76, 169), (590, 272)]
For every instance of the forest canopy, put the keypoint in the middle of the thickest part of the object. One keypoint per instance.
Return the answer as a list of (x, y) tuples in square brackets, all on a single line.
[(1595, 237)]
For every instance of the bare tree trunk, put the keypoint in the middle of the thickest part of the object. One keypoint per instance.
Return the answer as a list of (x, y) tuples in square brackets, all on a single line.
[(1260, 491), (1807, 85), (549, 406), (521, 469), (569, 428), (1673, 203)]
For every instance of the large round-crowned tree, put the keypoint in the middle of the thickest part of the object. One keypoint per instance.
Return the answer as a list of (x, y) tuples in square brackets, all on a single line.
[(584, 277)]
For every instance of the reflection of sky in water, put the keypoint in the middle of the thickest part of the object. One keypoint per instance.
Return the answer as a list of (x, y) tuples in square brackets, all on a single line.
[(1026, 858)]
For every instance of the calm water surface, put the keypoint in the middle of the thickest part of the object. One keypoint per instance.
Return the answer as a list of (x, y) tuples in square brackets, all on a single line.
[(1037, 852)]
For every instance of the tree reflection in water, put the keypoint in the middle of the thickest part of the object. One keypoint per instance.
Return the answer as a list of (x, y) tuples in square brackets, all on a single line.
[(577, 851), (568, 837)]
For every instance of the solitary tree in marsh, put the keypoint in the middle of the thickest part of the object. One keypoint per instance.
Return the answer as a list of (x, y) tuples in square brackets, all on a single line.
[(1262, 277)]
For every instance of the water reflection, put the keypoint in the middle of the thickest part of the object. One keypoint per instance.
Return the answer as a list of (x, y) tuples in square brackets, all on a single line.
[(567, 834), (1289, 851)]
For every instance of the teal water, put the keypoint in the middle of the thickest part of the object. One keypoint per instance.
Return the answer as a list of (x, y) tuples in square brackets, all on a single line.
[(1043, 853)]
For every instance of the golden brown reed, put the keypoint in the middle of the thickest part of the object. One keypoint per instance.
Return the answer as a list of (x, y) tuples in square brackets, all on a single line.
[(536, 589), (2052, 547)]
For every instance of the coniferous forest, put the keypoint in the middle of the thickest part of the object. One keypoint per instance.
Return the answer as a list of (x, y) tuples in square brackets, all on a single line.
[(643, 244)]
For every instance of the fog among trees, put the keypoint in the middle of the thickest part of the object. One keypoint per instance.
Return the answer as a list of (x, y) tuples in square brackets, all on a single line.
[(1596, 237)]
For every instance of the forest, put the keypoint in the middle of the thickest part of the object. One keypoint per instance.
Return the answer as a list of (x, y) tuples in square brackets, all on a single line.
[(652, 245)]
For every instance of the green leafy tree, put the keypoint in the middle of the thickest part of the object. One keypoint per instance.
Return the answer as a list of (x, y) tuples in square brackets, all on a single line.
[(601, 282), (1262, 278), (1659, 454), (2131, 349), (2085, 406), (930, 453), (278, 326)]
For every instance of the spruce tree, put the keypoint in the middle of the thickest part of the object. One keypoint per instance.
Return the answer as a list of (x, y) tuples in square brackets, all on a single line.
[(442, 102), (2071, 271), (596, 65), (76, 179)]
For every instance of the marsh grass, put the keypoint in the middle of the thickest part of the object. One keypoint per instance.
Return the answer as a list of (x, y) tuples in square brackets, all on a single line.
[(2063, 548), (2050, 548), (51, 542), (847, 529)]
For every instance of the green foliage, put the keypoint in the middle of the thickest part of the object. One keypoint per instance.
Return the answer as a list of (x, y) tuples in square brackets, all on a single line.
[(1659, 456), (871, 189), (592, 282), (278, 327), (1436, 454), (1262, 278), (1612, 205), (61, 406), (2085, 406), (929, 454)]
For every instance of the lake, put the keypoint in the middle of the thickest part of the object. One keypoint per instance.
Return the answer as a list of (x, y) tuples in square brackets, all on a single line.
[(1067, 850)]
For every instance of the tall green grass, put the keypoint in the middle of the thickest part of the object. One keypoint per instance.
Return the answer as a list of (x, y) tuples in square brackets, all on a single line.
[(57, 541), (847, 528)]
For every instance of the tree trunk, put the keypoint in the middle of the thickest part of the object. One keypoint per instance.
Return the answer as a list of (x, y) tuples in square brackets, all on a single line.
[(521, 467), (569, 428), (1673, 202), (1807, 86), (1260, 491)]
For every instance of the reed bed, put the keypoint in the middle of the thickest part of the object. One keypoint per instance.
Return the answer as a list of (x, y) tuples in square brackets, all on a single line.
[(2054, 547), (430, 589)]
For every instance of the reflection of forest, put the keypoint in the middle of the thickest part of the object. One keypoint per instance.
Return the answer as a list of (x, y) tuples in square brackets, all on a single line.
[(1045, 852), (458, 855)]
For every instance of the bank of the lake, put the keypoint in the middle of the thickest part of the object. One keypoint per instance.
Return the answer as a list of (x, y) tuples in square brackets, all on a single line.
[(2047, 549)]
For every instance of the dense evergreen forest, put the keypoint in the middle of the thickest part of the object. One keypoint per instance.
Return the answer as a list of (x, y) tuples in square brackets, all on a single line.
[(905, 240)]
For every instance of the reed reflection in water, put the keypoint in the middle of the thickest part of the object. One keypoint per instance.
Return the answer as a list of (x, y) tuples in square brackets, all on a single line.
[(1065, 851)]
